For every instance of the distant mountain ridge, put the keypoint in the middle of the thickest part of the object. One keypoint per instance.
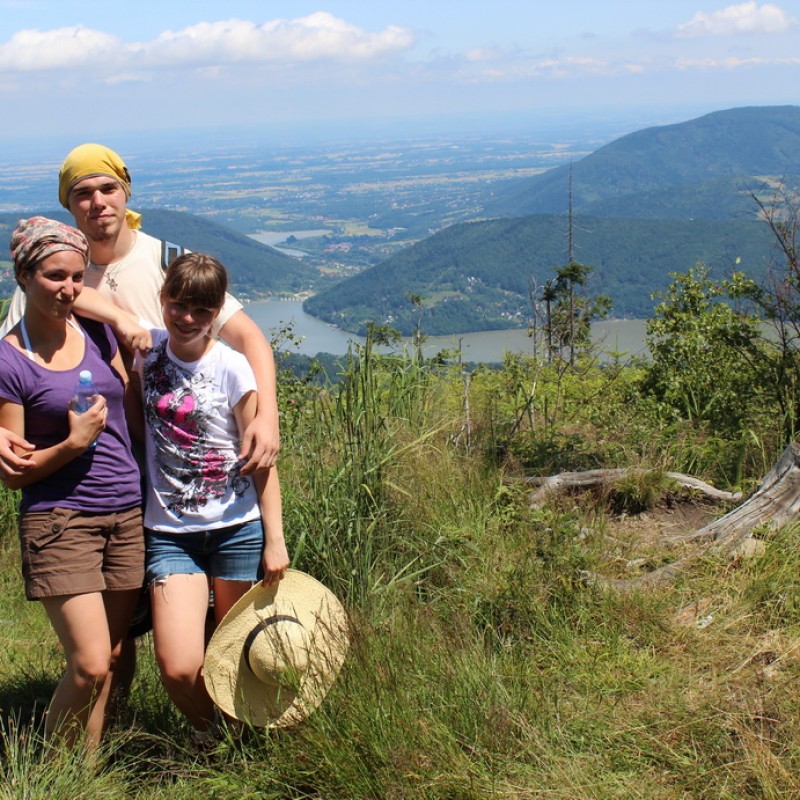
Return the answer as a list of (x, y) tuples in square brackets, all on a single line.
[(650, 203), (477, 276), (709, 163)]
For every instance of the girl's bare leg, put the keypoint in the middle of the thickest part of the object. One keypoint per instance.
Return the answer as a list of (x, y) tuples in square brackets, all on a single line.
[(226, 593), (180, 604)]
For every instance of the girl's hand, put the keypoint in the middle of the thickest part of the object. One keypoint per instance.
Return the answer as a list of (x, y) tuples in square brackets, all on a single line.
[(85, 428), (275, 561)]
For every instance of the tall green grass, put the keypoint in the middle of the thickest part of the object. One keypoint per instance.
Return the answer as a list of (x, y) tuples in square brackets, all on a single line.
[(481, 664)]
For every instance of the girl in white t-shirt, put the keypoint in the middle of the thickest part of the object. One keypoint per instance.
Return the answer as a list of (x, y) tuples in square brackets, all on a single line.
[(207, 526)]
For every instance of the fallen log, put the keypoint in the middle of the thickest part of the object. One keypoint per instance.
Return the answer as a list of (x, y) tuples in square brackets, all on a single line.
[(588, 479), (775, 503)]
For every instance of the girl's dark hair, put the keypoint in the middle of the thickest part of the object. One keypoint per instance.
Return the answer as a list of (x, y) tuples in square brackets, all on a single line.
[(196, 279)]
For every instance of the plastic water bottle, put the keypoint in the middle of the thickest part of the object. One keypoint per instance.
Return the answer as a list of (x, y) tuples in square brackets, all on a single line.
[(85, 394)]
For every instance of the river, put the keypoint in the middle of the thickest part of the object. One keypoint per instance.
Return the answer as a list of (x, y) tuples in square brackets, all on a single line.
[(617, 336)]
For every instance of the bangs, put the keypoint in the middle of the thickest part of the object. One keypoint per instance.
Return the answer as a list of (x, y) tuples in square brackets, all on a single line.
[(197, 280)]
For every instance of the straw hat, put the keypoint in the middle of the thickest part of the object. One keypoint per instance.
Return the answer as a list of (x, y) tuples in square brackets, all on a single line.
[(277, 652)]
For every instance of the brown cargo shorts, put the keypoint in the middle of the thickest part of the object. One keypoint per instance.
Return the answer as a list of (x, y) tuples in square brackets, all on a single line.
[(65, 551)]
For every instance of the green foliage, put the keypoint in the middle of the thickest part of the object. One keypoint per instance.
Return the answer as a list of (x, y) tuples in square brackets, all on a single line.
[(774, 587), (482, 661), (477, 276), (638, 491), (706, 357), (343, 517), (567, 313), (30, 769)]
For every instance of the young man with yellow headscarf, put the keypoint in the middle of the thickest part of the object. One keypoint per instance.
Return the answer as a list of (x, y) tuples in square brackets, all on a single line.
[(126, 271)]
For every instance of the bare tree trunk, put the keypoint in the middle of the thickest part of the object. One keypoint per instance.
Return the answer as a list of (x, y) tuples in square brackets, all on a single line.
[(605, 477)]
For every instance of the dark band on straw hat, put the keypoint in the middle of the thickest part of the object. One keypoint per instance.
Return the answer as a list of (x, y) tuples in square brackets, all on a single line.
[(260, 628)]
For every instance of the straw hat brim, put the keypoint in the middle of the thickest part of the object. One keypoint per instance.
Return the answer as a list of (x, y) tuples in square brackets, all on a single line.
[(229, 679)]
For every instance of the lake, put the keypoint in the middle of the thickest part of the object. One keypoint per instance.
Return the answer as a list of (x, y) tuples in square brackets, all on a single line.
[(617, 336)]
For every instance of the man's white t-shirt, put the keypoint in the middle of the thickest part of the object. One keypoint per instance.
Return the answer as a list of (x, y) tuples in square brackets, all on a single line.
[(133, 283)]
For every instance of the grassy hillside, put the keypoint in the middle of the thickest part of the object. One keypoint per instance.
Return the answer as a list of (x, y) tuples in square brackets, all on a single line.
[(477, 276), (680, 163), (483, 661), (254, 268)]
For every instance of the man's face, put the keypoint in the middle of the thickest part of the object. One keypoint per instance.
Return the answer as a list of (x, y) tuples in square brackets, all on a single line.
[(98, 205)]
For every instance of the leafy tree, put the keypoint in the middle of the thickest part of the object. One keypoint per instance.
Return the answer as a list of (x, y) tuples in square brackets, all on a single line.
[(707, 357), (570, 313), (778, 299)]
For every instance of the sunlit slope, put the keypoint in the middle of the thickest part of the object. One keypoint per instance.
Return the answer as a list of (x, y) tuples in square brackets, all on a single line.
[(692, 169)]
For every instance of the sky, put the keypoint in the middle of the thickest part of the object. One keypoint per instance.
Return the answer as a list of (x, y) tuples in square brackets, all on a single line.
[(82, 68)]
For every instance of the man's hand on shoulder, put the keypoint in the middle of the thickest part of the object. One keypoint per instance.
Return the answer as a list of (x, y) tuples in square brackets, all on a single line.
[(132, 334), (11, 463)]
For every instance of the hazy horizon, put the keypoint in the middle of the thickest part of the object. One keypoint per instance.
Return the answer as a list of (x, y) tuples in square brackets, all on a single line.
[(600, 125)]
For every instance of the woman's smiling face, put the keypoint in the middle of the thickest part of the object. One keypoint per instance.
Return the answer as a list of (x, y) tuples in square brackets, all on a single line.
[(54, 284)]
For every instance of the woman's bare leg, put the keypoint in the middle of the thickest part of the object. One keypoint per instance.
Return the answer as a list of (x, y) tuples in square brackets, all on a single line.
[(119, 607), (81, 625)]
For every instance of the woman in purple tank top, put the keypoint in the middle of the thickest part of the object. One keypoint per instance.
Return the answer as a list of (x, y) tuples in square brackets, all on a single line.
[(80, 521)]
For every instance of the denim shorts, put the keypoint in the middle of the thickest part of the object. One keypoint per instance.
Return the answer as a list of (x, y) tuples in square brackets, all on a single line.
[(232, 553)]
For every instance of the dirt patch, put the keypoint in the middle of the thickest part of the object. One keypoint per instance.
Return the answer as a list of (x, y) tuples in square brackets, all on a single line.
[(666, 522), (635, 544)]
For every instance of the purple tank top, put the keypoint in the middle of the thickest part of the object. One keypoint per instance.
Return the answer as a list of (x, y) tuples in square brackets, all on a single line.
[(104, 477)]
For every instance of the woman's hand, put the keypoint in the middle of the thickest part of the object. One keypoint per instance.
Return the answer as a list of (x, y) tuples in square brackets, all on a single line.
[(85, 428)]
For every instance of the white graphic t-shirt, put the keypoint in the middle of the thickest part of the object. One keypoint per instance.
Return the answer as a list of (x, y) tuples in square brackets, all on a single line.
[(192, 441)]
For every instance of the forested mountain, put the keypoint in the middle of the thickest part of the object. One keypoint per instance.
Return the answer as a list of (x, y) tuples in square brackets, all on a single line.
[(477, 276), (650, 203), (254, 268), (698, 168)]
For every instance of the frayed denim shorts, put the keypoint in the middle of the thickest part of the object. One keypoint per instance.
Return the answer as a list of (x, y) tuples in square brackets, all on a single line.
[(232, 553)]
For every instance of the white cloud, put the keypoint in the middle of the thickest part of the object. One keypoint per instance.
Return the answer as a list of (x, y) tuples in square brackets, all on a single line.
[(61, 48), (579, 67), (317, 37), (312, 38), (746, 17), (732, 62)]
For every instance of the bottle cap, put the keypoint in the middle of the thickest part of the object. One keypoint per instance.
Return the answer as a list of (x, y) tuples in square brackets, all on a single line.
[(85, 376)]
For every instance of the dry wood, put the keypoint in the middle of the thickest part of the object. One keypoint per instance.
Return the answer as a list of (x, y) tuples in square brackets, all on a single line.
[(603, 477), (775, 503)]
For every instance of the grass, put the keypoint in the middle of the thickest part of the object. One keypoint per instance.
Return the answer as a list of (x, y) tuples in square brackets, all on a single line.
[(481, 665)]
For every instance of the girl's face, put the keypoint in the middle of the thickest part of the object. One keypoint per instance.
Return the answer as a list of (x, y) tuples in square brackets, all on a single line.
[(189, 327), (53, 285)]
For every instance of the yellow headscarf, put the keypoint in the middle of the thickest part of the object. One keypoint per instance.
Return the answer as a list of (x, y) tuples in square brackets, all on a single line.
[(88, 161)]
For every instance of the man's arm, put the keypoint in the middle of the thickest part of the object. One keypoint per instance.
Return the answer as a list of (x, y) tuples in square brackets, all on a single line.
[(261, 438), (274, 556), (91, 304), (12, 464)]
